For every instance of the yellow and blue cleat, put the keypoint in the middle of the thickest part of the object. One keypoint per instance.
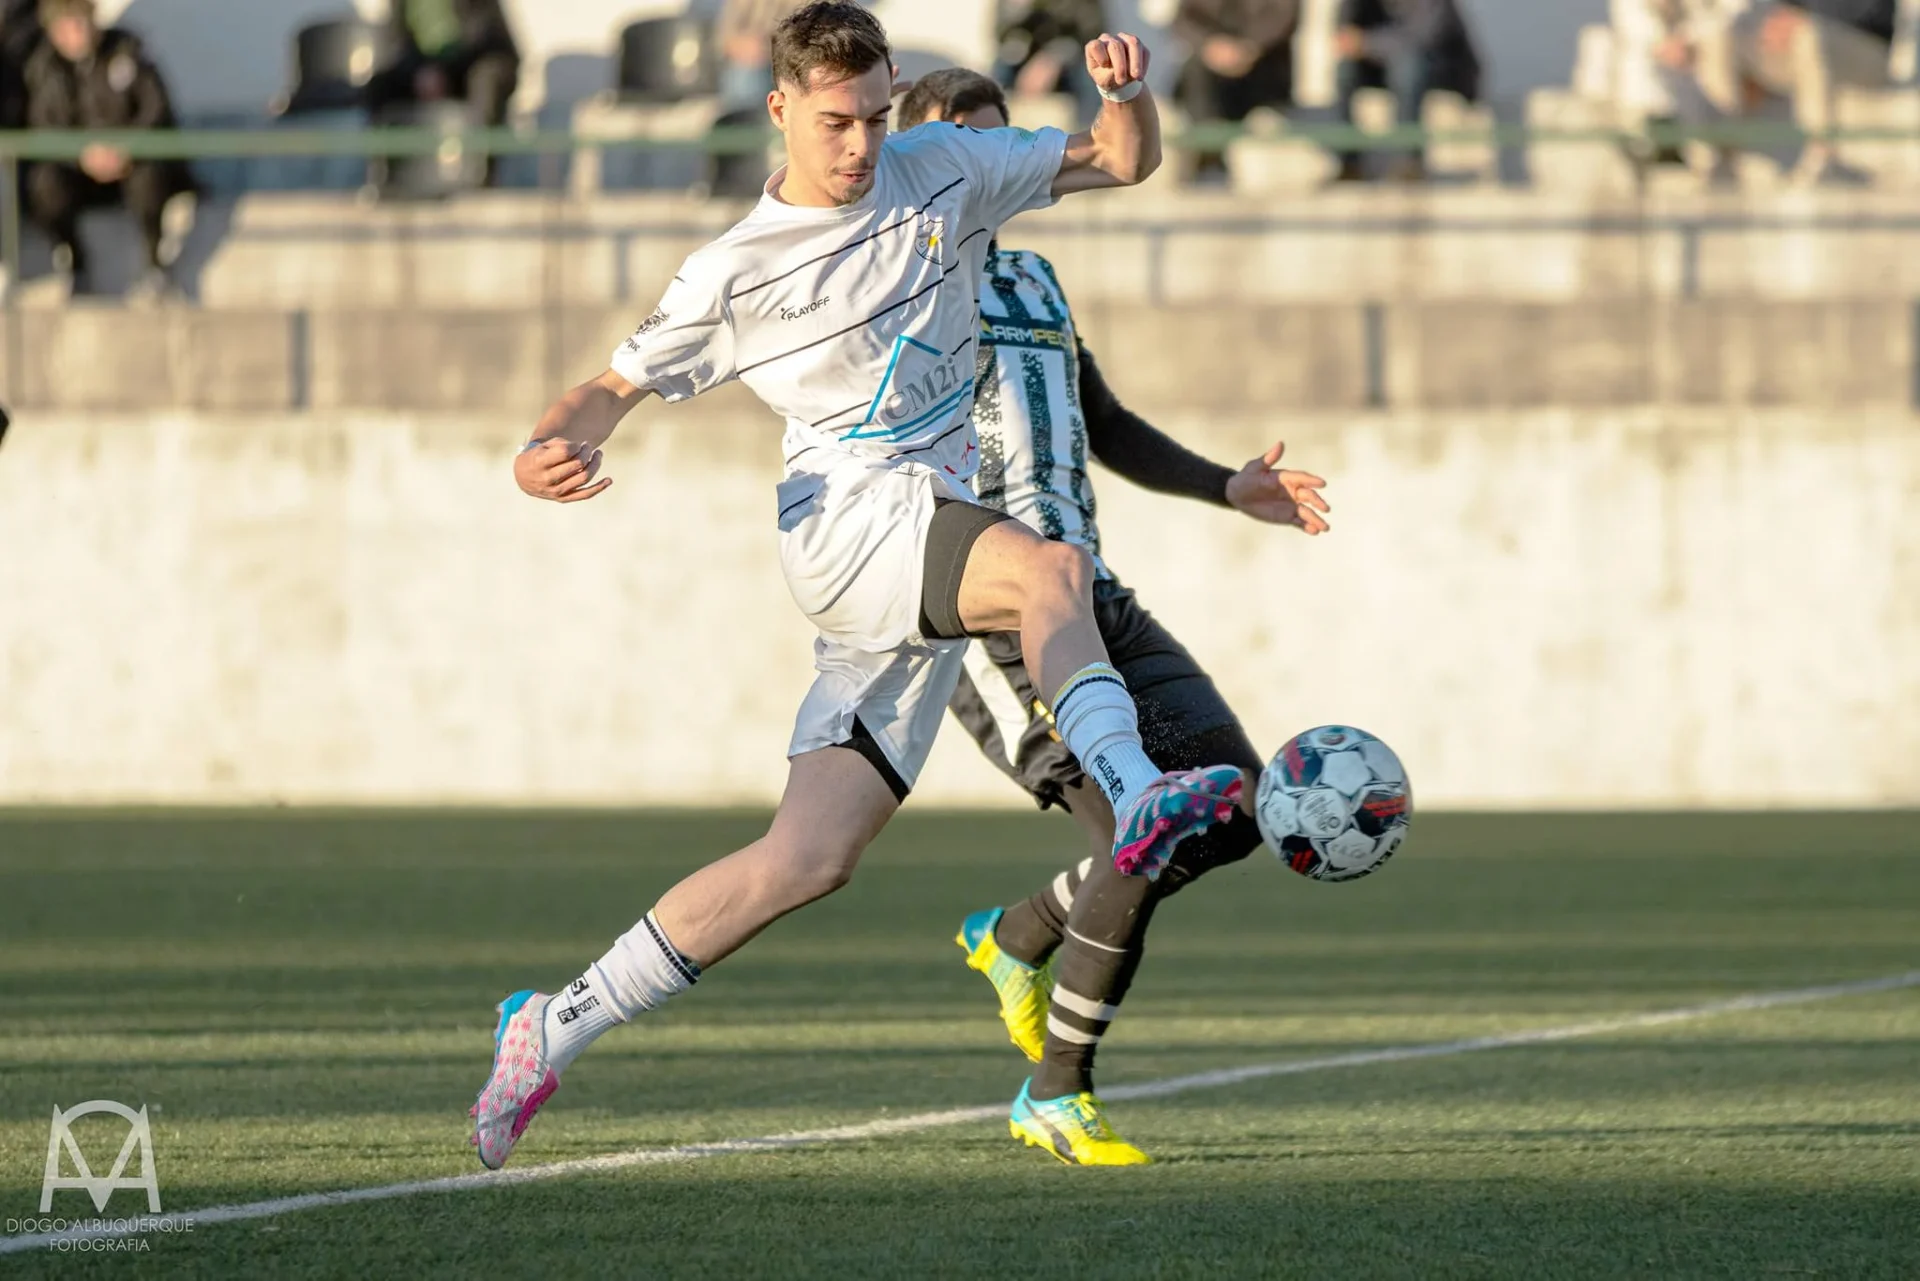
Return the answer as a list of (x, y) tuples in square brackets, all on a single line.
[(1025, 998), (1073, 1128)]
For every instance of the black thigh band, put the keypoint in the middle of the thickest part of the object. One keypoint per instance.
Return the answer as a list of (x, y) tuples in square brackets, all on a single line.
[(955, 528), (862, 741)]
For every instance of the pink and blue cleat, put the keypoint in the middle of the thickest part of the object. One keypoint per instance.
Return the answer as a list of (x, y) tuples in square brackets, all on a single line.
[(521, 1080), (1174, 806)]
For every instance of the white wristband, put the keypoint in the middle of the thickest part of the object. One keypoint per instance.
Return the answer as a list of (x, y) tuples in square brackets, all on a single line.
[(1125, 93)]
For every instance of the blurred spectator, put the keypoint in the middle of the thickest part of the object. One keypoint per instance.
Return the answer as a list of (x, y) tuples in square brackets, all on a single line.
[(1242, 58), (458, 49), (1653, 42), (1409, 47), (745, 36), (1043, 48), (81, 77), (1803, 51)]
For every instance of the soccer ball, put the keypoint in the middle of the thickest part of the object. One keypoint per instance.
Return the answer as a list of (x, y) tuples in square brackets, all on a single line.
[(1334, 803)]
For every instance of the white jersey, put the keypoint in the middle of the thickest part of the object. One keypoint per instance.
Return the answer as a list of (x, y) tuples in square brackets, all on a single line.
[(855, 324), (1032, 424), (858, 326)]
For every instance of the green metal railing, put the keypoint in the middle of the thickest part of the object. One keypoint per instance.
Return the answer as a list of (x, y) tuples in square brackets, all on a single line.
[(19, 147), (196, 144)]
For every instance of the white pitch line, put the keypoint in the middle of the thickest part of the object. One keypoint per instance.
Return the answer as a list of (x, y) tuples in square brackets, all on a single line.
[(960, 1116)]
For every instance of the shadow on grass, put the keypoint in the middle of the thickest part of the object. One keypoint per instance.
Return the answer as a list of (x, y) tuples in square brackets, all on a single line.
[(984, 1217)]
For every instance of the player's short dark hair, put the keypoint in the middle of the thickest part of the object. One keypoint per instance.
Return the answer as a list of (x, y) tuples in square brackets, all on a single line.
[(52, 11), (842, 39), (948, 94)]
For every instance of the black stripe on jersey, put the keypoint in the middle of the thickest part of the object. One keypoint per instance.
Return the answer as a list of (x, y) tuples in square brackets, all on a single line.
[(921, 449), (747, 369), (1079, 483), (991, 481), (858, 404), (970, 235), (1033, 378), (1009, 295), (892, 226)]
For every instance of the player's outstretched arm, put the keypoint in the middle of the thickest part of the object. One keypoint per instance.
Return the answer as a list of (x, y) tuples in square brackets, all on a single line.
[(563, 457), (1123, 147)]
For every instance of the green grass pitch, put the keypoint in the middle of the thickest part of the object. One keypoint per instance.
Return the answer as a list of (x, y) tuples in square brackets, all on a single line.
[(304, 1002)]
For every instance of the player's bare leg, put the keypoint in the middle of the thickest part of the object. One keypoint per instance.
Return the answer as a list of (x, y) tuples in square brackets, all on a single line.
[(835, 804), (1017, 581)]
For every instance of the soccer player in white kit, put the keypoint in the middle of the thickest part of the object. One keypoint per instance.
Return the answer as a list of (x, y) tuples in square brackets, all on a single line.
[(846, 302)]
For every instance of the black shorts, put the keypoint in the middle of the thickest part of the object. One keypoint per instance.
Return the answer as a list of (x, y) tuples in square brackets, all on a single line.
[(1182, 716)]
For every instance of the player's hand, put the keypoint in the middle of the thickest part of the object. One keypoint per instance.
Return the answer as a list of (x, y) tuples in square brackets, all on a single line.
[(1115, 62), (1265, 492), (560, 471)]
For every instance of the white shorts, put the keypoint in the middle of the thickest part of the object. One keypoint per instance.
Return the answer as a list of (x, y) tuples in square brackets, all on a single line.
[(853, 546)]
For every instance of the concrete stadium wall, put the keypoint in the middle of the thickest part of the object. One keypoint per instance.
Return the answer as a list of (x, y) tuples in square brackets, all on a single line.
[(1156, 246), (1842, 355), (1626, 606)]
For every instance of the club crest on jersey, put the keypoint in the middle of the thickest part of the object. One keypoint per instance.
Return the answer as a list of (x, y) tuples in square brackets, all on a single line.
[(930, 239)]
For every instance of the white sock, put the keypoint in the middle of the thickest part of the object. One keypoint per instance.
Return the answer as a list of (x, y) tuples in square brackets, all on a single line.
[(641, 973), (1099, 724)]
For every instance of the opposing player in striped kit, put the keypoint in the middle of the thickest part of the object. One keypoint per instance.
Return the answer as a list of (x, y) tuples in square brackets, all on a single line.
[(1043, 408), (845, 301)]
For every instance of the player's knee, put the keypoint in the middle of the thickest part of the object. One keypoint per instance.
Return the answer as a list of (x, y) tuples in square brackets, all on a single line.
[(1065, 569), (825, 864)]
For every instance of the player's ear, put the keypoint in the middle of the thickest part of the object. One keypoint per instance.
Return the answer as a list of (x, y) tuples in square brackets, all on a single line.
[(777, 109)]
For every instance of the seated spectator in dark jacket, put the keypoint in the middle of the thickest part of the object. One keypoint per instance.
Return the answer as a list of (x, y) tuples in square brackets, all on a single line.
[(1043, 48), (1409, 47), (458, 49), (1242, 58), (81, 77)]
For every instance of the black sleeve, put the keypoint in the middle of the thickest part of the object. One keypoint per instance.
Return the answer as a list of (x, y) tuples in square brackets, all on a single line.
[(48, 106), (1140, 452)]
